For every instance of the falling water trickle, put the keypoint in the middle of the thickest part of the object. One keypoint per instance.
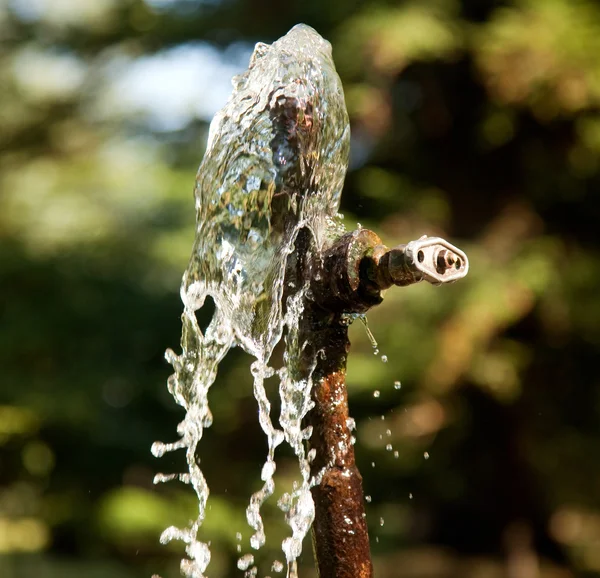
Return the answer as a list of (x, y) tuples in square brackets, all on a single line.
[(272, 174)]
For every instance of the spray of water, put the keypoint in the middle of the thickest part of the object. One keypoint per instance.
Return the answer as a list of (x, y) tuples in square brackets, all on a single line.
[(273, 170)]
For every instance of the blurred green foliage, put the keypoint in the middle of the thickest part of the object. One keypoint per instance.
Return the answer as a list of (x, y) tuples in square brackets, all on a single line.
[(477, 121)]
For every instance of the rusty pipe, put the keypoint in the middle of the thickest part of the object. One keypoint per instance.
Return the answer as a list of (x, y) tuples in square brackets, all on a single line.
[(349, 277), (352, 274)]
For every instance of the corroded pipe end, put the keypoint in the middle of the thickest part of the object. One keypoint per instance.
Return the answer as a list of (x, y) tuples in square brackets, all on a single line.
[(353, 272), (343, 281)]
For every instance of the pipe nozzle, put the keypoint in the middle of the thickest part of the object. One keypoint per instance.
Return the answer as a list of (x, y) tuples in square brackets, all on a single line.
[(432, 259)]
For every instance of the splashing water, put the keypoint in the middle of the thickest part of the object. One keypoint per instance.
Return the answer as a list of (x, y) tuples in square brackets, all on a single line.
[(272, 174)]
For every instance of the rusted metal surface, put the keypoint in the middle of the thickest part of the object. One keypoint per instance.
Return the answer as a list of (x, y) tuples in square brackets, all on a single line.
[(349, 278), (340, 535), (358, 267), (340, 283)]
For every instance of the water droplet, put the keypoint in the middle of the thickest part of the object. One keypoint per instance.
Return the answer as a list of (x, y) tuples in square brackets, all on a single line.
[(277, 566), (257, 540), (285, 502), (162, 478), (370, 335), (245, 561), (377, 539), (158, 449), (170, 534), (238, 536), (200, 555), (384, 358), (350, 423), (376, 393), (382, 418), (396, 454), (410, 496), (397, 385), (267, 470), (291, 548), (381, 521), (372, 464), (389, 447), (426, 455), (368, 499), (388, 432)]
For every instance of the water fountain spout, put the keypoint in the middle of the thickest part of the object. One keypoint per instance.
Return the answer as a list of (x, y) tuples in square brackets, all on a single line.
[(267, 196), (349, 277), (355, 270)]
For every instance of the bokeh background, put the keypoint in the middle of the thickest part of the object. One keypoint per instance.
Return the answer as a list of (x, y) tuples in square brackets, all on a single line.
[(478, 121)]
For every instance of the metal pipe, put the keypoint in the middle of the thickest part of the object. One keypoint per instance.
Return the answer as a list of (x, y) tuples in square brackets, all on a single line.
[(349, 278), (340, 535)]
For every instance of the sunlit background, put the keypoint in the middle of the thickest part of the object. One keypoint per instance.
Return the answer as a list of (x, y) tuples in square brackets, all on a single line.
[(477, 121)]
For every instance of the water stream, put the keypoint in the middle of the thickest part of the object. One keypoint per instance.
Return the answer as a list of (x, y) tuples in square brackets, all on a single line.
[(275, 163)]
